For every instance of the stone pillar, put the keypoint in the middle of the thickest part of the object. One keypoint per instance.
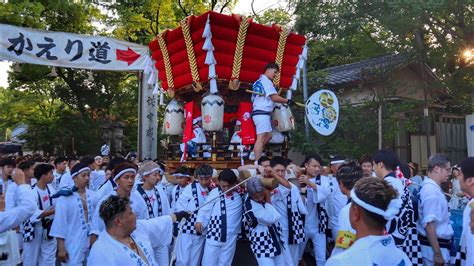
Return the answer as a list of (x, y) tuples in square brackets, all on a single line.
[(147, 119)]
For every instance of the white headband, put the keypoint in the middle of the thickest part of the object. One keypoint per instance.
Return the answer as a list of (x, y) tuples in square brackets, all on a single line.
[(121, 173), (80, 171), (337, 161), (181, 175), (157, 169), (392, 209)]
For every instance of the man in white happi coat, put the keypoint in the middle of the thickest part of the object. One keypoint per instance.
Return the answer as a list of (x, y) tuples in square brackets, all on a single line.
[(336, 200), (466, 179), (39, 247), (190, 243), (12, 217), (62, 177), (280, 196), (262, 226), (109, 185), (347, 175), (182, 179), (126, 240), (221, 220), (71, 225), (403, 227), (155, 200), (374, 202), (434, 224), (317, 193), (124, 177), (12, 196)]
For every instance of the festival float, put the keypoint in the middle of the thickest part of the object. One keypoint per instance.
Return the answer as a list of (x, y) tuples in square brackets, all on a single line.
[(207, 66)]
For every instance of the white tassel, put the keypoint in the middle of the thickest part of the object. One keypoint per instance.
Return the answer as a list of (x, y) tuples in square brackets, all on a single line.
[(212, 71), (213, 86), (300, 64), (207, 46), (148, 65), (152, 78), (210, 60), (289, 94), (298, 73), (305, 52), (155, 89), (294, 84), (207, 29), (162, 97)]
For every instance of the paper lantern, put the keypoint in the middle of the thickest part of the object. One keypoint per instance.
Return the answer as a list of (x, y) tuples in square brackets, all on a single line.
[(212, 107), (282, 118), (174, 118)]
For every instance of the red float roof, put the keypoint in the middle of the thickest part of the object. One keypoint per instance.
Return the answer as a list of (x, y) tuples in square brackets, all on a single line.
[(260, 48)]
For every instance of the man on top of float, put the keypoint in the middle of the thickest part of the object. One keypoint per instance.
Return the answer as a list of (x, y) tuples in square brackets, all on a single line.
[(264, 98)]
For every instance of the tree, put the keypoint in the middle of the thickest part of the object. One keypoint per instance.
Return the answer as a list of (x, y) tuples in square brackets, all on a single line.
[(350, 31), (77, 100)]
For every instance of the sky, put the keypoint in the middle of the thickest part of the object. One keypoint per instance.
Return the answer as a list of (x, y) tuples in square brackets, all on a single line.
[(242, 7)]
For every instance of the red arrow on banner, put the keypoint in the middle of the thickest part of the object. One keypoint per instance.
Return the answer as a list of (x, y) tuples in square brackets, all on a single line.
[(128, 56)]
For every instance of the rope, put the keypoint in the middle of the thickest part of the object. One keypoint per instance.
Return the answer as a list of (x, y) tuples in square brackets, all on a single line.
[(280, 51), (166, 60), (191, 56), (244, 24)]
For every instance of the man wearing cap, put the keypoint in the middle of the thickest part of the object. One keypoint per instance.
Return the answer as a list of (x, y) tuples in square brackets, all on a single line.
[(466, 180), (374, 202), (71, 225), (190, 242), (155, 201), (124, 176), (434, 225)]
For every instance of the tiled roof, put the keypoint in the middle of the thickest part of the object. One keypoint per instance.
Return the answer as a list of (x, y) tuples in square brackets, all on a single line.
[(365, 70)]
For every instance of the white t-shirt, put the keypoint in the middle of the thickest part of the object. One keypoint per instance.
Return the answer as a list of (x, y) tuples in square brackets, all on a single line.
[(263, 86)]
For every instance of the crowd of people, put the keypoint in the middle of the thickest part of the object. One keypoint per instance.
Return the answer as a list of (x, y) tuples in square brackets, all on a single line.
[(113, 211)]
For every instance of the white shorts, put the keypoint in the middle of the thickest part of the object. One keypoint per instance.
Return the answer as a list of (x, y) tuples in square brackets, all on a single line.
[(263, 123)]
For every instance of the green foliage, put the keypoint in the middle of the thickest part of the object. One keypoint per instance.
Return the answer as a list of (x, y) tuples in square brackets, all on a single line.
[(355, 30), (278, 16), (64, 113)]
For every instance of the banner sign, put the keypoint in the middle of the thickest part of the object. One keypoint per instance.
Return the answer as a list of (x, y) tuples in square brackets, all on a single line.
[(322, 111), (64, 49)]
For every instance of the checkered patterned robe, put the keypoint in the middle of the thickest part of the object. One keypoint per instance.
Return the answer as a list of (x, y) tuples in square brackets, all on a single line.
[(403, 229), (296, 232), (217, 227), (188, 226), (265, 243), (322, 213)]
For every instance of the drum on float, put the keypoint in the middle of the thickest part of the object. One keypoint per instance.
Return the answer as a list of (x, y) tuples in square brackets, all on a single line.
[(282, 118), (212, 107), (174, 118)]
